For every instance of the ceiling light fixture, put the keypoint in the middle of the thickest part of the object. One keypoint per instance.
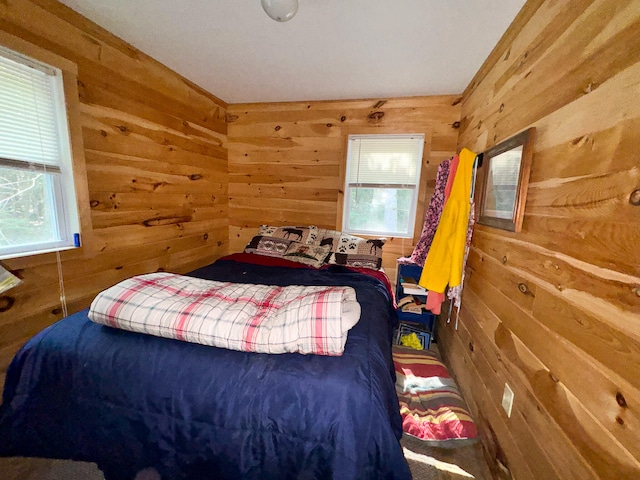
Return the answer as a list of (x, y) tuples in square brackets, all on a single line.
[(280, 10)]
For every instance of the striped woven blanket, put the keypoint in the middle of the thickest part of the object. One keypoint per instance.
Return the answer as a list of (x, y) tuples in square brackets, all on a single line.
[(431, 405), (247, 317)]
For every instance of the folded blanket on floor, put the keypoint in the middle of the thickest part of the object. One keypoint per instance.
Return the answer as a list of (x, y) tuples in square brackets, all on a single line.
[(431, 405), (237, 316)]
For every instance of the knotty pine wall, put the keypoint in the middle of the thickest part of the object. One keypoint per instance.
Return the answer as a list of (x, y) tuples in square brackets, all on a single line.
[(555, 310), (156, 172), (287, 160)]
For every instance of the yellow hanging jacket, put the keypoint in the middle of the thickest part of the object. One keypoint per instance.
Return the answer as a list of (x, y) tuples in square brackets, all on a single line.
[(446, 255)]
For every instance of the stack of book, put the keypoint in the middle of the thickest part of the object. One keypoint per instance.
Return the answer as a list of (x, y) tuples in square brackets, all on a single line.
[(410, 286)]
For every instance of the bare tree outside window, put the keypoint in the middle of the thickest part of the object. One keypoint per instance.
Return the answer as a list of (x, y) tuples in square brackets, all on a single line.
[(25, 214)]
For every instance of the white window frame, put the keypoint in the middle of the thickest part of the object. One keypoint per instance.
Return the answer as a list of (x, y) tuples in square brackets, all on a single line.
[(413, 186), (60, 177)]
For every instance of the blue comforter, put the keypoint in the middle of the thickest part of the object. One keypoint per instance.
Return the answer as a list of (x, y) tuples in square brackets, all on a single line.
[(129, 401)]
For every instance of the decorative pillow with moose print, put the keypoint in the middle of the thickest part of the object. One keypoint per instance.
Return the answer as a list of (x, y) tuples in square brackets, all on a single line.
[(306, 235), (330, 238), (313, 255), (358, 252)]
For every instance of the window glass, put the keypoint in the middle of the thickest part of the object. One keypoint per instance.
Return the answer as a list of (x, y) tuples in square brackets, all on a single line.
[(381, 188), (37, 198)]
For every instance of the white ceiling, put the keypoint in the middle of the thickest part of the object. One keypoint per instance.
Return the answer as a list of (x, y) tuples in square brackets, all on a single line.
[(332, 49)]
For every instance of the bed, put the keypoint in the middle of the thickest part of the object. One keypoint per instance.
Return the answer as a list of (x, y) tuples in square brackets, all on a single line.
[(129, 401)]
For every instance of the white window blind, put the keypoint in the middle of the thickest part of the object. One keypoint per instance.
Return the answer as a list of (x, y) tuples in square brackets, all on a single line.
[(382, 177), (28, 120), (385, 160), (37, 195)]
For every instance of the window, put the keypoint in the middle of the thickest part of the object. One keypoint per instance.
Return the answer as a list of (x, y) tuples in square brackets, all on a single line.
[(38, 210), (381, 189)]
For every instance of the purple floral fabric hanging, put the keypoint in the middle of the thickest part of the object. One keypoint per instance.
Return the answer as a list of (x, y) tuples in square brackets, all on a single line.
[(432, 217)]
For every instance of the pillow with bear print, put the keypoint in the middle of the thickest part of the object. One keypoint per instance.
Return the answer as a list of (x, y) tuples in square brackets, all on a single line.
[(358, 252), (307, 234)]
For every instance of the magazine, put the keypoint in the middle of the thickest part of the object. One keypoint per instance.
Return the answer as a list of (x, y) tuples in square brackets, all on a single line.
[(7, 280)]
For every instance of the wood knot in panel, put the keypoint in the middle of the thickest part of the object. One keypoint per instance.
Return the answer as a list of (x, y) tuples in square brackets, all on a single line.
[(621, 400), (580, 141), (455, 125), (375, 116), (94, 203), (6, 302), (504, 260), (195, 176), (206, 236), (159, 221), (231, 118), (277, 128), (553, 377), (379, 104), (634, 198), (524, 288), (56, 311), (343, 118), (470, 347), (619, 420)]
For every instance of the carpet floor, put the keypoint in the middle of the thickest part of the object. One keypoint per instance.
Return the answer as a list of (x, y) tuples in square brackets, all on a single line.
[(430, 463)]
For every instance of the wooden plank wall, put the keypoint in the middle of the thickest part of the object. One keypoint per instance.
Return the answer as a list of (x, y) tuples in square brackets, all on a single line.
[(555, 310), (287, 160), (156, 171)]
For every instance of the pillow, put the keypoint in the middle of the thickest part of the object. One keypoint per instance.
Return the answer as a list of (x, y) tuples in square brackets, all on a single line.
[(330, 238), (314, 255), (269, 246), (358, 252), (431, 405), (297, 234)]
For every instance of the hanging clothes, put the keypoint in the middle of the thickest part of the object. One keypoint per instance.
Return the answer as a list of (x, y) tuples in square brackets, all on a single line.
[(453, 168), (432, 217), (455, 293), (444, 262)]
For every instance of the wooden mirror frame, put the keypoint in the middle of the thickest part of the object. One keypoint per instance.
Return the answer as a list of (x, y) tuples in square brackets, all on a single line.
[(493, 218)]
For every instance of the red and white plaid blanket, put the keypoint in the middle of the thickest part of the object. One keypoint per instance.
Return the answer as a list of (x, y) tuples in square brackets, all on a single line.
[(254, 318)]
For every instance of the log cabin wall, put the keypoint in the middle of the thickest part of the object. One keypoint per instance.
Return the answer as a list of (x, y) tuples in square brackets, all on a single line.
[(554, 311), (155, 188), (287, 160)]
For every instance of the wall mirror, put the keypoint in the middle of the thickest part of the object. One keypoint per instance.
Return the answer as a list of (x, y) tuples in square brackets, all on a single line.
[(506, 179)]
